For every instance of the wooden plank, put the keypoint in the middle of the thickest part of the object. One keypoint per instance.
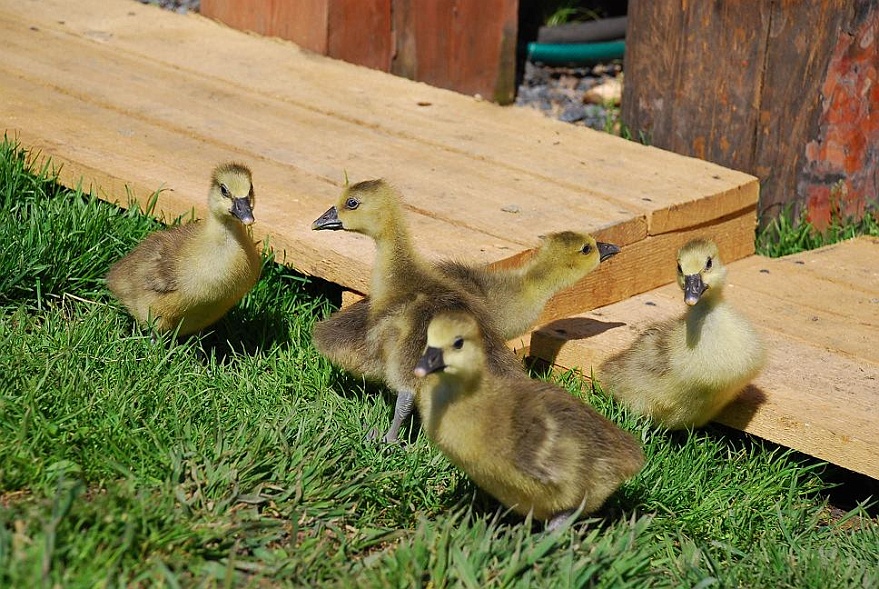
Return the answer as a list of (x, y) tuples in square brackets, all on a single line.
[(815, 401), (635, 177), (342, 258), (840, 264), (137, 95), (777, 290), (231, 120), (818, 392), (283, 213), (486, 179), (213, 117)]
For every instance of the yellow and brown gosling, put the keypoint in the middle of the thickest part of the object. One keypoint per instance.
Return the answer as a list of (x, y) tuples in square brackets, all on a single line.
[(515, 297), (383, 337), (683, 372), (186, 278), (528, 443)]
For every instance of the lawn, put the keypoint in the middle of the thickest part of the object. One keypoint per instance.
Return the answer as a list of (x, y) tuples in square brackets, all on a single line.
[(239, 458)]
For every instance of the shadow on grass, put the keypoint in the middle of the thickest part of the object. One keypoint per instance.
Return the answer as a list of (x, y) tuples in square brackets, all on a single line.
[(245, 333), (843, 489), (621, 506), (265, 322)]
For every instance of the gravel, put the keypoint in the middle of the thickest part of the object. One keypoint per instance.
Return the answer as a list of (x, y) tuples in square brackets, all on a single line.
[(181, 6), (559, 92)]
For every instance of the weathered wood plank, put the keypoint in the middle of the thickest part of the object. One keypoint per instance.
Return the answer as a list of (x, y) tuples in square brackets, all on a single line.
[(231, 120), (840, 265), (819, 390), (129, 95), (815, 401), (635, 177)]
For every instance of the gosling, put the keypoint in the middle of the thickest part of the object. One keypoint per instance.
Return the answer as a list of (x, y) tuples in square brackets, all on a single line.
[(681, 373), (526, 442), (186, 278), (383, 337), (516, 297)]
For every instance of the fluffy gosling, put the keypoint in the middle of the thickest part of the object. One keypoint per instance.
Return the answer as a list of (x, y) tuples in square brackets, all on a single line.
[(513, 297), (681, 373), (528, 443), (516, 297), (188, 277), (383, 337)]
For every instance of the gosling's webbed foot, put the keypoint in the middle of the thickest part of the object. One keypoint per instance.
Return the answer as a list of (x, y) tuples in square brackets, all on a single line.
[(402, 411), (559, 519)]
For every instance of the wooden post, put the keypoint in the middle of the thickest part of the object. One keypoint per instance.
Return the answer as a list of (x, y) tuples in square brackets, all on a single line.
[(469, 47), (785, 90), (466, 46)]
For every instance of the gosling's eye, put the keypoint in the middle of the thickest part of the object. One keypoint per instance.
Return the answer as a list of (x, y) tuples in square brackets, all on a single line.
[(708, 264), (224, 190), (352, 203), (680, 270), (587, 248), (458, 343)]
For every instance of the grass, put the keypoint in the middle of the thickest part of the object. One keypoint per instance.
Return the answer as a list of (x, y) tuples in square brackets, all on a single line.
[(559, 12), (238, 458), (786, 234)]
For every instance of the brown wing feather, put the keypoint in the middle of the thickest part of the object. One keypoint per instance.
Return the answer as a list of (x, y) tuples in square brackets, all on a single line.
[(535, 441), (342, 337), (158, 257)]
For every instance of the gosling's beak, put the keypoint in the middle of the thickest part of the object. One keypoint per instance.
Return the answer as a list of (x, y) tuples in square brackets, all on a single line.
[(693, 288), (329, 220), (241, 209), (606, 250), (431, 361)]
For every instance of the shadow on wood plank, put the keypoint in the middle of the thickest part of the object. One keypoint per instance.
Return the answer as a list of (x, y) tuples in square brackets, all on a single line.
[(741, 411)]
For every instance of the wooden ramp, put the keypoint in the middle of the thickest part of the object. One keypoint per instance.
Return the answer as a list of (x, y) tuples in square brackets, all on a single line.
[(819, 313), (128, 97)]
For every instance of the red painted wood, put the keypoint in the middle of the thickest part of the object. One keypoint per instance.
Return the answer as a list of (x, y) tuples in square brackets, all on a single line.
[(458, 44), (784, 89), (360, 32), (304, 22), (462, 45), (840, 175)]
